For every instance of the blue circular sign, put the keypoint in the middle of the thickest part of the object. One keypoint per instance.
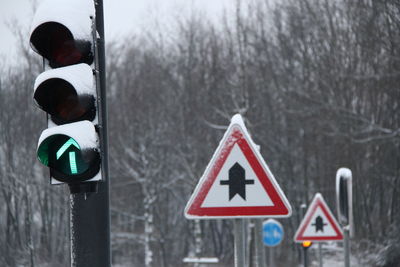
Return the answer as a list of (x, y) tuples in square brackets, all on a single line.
[(272, 233)]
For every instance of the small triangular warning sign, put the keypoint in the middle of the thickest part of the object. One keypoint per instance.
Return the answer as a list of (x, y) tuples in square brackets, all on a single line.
[(237, 182), (318, 224)]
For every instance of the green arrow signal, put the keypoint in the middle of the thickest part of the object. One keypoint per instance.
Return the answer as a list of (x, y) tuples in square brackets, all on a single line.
[(72, 157), (65, 146), (72, 162)]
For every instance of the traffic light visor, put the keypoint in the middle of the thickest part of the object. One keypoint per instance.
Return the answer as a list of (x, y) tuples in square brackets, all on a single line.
[(63, 153), (67, 94), (56, 43), (62, 32), (71, 151)]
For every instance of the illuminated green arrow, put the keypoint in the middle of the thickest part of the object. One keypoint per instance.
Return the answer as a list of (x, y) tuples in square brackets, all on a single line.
[(72, 158), (72, 162)]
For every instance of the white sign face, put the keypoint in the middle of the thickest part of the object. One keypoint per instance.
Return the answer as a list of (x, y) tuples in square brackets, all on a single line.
[(253, 194), (237, 182), (318, 223)]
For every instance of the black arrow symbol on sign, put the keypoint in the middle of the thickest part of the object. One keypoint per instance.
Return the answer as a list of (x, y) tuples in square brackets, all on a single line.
[(237, 181)]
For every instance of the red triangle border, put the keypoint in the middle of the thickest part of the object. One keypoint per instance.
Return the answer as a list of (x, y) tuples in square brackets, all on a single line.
[(279, 208), (319, 202)]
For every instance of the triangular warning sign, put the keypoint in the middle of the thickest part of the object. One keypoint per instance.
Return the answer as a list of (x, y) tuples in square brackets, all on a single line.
[(237, 182), (318, 224)]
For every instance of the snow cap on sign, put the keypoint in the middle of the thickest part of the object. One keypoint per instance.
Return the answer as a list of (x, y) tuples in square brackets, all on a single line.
[(80, 76), (83, 132), (73, 14), (318, 196), (238, 120)]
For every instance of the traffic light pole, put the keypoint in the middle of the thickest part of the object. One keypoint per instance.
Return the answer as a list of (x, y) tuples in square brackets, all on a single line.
[(305, 257), (90, 212)]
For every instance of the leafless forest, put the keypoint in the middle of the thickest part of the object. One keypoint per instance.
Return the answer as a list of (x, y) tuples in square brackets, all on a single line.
[(317, 82)]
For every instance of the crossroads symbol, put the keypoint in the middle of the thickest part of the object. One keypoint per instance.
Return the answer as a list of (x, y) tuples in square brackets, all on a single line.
[(237, 181), (319, 224)]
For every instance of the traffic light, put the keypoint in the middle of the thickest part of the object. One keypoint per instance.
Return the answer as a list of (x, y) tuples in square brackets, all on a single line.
[(306, 244), (63, 33)]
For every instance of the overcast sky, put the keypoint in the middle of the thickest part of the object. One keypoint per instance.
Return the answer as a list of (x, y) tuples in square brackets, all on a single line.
[(121, 16)]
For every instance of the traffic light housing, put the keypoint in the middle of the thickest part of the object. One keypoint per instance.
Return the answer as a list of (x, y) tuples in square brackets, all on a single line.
[(69, 153), (344, 195), (67, 94), (63, 33)]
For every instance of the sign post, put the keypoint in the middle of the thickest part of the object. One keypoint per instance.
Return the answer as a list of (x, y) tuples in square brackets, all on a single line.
[(318, 225), (236, 184), (260, 251), (239, 233), (320, 254)]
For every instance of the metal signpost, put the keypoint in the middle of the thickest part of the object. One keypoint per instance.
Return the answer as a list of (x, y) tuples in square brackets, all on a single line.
[(258, 239), (318, 225), (237, 184), (320, 255), (239, 246)]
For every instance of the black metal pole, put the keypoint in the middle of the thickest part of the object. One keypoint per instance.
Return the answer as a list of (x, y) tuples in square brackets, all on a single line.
[(346, 247), (90, 212), (305, 257)]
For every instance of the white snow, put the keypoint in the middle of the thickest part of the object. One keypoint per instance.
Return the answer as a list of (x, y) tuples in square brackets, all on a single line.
[(237, 119), (83, 132), (344, 172), (201, 260), (332, 256), (73, 14)]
